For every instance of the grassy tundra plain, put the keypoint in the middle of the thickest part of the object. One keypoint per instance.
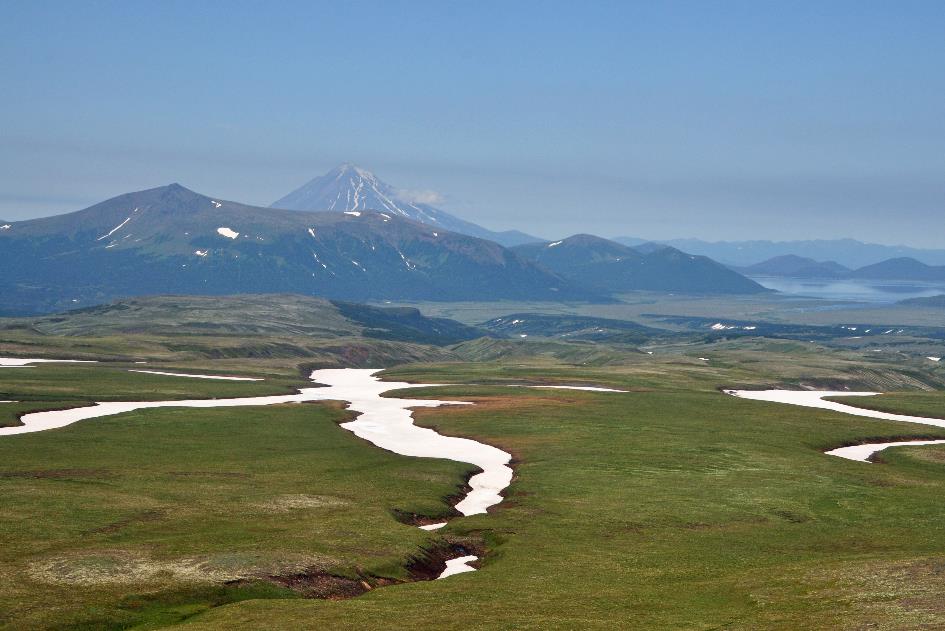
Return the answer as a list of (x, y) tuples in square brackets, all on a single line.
[(670, 506)]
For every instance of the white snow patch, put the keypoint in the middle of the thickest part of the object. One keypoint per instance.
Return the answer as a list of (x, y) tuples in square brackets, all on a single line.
[(551, 245), (5, 226), (353, 213), (115, 229), (215, 203), (181, 374), (458, 566), (201, 252), (311, 231), (13, 362), (584, 388), (433, 526), (704, 359), (934, 359), (226, 232)]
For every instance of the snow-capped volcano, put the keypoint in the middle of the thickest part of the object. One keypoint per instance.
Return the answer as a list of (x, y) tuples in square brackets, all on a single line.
[(349, 188)]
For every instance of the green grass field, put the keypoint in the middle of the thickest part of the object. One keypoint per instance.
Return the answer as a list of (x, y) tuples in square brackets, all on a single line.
[(927, 404), (670, 506), (174, 501), (673, 510)]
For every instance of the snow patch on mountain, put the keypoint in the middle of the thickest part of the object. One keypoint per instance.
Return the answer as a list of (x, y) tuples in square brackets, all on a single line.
[(229, 233), (116, 228)]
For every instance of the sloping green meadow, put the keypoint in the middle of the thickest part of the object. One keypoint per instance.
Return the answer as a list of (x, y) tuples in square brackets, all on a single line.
[(671, 510), (670, 506), (104, 517)]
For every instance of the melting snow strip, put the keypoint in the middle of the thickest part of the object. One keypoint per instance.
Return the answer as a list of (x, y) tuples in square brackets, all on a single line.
[(191, 376), (14, 362), (115, 229), (817, 399)]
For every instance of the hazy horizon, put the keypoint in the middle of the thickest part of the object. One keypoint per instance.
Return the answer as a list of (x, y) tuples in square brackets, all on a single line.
[(730, 122)]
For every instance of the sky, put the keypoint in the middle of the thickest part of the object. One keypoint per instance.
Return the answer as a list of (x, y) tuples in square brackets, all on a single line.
[(713, 119)]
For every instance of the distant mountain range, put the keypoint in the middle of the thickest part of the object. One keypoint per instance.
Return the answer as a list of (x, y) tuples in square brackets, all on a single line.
[(609, 267), (173, 240), (790, 266), (847, 252), (351, 188)]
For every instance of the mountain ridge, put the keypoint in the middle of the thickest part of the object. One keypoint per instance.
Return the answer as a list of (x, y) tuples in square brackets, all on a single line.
[(609, 266), (172, 240), (848, 252)]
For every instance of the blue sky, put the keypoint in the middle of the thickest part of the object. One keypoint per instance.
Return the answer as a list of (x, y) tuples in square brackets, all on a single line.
[(659, 119)]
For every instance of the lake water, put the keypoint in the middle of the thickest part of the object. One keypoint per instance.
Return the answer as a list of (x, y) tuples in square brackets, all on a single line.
[(872, 291)]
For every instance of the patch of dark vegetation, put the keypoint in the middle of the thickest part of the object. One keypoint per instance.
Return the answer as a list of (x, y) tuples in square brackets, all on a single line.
[(209, 474), (57, 474), (431, 562), (418, 519), (426, 565), (171, 607), (791, 516), (121, 524), (326, 586), (406, 324)]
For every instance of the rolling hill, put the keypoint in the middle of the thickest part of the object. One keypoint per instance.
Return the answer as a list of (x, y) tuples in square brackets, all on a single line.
[(608, 266), (171, 240), (350, 188), (792, 266), (903, 268), (255, 315)]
